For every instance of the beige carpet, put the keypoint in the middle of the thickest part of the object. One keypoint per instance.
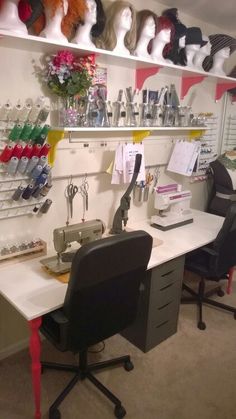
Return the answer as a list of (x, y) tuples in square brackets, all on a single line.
[(191, 375)]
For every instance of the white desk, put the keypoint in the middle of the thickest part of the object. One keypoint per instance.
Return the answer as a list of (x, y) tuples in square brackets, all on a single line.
[(34, 293)]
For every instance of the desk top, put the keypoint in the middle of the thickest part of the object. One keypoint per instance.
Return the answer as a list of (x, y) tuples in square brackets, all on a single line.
[(34, 293)]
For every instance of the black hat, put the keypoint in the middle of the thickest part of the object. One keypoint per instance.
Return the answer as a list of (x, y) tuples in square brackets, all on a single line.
[(218, 42), (194, 36), (180, 28)]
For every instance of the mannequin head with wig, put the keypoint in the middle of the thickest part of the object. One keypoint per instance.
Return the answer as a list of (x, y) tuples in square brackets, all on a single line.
[(120, 19), (164, 35), (72, 12), (145, 31), (91, 25), (9, 17)]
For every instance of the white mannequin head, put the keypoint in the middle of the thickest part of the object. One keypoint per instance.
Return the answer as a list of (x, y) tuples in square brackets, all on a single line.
[(191, 51), (9, 17), (182, 41), (146, 30), (123, 20), (52, 29), (202, 53), (91, 12), (83, 32), (158, 43), (218, 61), (149, 28)]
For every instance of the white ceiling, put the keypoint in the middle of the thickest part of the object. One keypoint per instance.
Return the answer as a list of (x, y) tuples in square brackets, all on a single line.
[(221, 13)]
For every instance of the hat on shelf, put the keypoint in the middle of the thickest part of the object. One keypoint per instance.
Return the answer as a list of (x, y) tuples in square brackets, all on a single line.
[(218, 42), (194, 37), (180, 28)]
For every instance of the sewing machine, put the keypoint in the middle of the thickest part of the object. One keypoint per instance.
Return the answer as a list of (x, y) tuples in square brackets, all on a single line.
[(174, 207), (63, 237)]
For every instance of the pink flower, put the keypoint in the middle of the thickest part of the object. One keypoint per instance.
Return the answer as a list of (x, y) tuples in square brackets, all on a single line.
[(63, 58)]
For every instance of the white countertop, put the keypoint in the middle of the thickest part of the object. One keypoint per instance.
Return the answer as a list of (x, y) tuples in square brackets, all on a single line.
[(34, 293)]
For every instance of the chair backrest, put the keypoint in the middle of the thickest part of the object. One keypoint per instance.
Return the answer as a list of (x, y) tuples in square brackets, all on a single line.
[(103, 290), (225, 244)]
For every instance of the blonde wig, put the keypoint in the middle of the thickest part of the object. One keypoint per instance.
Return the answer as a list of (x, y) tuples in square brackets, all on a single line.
[(108, 38), (76, 11)]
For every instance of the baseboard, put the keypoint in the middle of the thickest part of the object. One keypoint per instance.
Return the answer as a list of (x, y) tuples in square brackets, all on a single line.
[(13, 349)]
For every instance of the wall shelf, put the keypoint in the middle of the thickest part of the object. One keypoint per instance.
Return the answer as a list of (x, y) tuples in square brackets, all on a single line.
[(38, 44), (129, 129)]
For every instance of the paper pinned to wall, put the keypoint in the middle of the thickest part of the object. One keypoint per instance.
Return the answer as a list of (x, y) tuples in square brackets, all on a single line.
[(183, 157)]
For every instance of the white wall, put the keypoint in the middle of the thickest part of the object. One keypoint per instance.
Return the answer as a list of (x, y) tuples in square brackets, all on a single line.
[(18, 80)]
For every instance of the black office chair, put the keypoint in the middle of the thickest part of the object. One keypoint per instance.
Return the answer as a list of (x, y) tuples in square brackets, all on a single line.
[(101, 300), (212, 262)]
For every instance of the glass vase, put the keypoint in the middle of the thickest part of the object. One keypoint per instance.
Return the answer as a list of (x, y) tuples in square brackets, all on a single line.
[(67, 111)]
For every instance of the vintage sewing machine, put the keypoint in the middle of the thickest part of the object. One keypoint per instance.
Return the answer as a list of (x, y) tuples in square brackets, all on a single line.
[(174, 207), (63, 237)]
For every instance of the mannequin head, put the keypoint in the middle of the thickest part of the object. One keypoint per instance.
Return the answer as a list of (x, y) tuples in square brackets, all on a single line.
[(146, 30), (73, 10), (9, 17), (92, 24), (120, 18), (193, 43), (219, 42), (163, 37)]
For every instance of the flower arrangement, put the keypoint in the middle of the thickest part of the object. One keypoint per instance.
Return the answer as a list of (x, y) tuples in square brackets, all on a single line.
[(68, 75)]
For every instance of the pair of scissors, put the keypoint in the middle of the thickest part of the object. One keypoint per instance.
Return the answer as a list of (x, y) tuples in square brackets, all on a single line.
[(70, 192), (149, 179), (83, 190)]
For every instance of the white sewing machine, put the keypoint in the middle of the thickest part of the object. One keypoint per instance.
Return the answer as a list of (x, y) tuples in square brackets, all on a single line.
[(173, 205)]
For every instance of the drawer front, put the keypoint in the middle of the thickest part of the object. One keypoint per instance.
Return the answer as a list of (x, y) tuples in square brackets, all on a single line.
[(167, 273), (163, 330), (162, 313), (167, 294)]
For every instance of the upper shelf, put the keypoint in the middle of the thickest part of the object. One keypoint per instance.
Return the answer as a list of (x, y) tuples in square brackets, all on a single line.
[(189, 75)]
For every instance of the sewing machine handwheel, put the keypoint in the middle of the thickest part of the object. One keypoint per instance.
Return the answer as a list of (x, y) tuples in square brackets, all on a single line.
[(54, 414)]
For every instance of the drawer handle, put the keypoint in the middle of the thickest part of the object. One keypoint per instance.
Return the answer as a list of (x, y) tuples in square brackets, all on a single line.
[(168, 273), (162, 324), (165, 305), (167, 286)]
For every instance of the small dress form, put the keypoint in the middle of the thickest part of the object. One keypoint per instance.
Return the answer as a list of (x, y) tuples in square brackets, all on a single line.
[(148, 33), (122, 25), (218, 61), (83, 32), (158, 44), (224, 175), (9, 18), (202, 54), (52, 29)]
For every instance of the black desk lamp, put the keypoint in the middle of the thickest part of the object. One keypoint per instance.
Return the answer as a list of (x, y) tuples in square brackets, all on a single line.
[(121, 214)]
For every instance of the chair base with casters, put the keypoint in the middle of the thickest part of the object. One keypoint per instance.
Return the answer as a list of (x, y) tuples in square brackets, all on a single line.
[(83, 371), (201, 298)]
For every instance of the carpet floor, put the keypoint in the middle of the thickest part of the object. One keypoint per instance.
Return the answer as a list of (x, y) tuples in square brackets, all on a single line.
[(191, 375)]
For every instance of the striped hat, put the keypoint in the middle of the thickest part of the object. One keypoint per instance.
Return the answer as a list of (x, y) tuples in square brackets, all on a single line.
[(218, 42)]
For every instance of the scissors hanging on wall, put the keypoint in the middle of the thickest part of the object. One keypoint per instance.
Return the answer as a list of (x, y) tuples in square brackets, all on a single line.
[(70, 192), (83, 190)]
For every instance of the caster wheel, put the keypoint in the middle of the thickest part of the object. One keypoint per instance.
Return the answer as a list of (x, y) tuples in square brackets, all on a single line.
[(220, 293), (235, 315), (128, 366), (119, 412), (201, 325), (54, 414)]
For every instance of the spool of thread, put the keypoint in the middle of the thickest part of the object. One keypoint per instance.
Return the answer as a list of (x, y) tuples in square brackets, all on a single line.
[(17, 151), (24, 112), (34, 113), (22, 165), (35, 209), (45, 130), (37, 190), (6, 153), (12, 165), (36, 149), (45, 150), (41, 179), (32, 163), (5, 111), (16, 132), (25, 133), (43, 114), (46, 205), (18, 192), (36, 172), (15, 112), (40, 139), (47, 169), (28, 191), (43, 160), (28, 151), (36, 131), (44, 191)]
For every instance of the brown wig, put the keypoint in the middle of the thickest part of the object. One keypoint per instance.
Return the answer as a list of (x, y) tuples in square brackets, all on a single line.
[(108, 38)]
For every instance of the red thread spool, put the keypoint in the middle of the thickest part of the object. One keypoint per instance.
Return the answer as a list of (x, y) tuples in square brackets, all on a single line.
[(36, 150), (45, 150), (27, 152), (7, 153), (17, 151)]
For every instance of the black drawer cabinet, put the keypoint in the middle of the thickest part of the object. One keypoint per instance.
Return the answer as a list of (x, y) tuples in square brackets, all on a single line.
[(158, 305)]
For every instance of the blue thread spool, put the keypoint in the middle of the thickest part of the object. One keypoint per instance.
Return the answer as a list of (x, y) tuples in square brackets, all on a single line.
[(12, 165), (18, 192), (36, 172), (41, 179), (47, 169), (23, 164), (37, 190), (28, 191), (42, 160)]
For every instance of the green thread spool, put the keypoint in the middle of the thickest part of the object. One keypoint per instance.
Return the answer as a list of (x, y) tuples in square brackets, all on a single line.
[(36, 132), (26, 132), (16, 132), (45, 130), (40, 140)]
